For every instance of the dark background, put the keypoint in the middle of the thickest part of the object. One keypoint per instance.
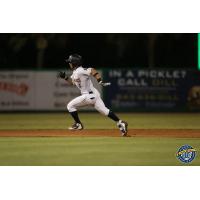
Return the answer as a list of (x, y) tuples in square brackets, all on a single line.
[(48, 51)]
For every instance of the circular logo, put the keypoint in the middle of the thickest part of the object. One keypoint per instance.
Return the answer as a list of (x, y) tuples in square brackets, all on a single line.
[(186, 153)]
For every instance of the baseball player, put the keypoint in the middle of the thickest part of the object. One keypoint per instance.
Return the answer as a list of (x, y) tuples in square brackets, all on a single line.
[(81, 77)]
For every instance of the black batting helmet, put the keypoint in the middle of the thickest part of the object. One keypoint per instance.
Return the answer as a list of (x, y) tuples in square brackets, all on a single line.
[(74, 59)]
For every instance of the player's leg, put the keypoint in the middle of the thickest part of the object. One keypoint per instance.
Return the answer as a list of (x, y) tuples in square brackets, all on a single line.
[(72, 108), (122, 125)]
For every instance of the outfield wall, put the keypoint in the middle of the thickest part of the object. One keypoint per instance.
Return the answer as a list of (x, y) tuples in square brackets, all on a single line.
[(35, 91), (131, 90), (153, 90)]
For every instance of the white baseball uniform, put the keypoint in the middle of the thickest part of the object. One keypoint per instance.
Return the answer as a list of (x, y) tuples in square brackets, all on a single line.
[(89, 94)]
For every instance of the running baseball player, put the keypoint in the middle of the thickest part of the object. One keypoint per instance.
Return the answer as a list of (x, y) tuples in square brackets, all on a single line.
[(81, 77)]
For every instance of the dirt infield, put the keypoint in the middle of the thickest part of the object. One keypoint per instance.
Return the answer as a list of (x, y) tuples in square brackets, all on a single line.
[(97, 133)]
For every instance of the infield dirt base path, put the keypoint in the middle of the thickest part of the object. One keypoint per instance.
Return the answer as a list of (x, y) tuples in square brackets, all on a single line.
[(105, 133)]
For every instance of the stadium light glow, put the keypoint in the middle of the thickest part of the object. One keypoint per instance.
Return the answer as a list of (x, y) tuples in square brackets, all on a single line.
[(198, 61)]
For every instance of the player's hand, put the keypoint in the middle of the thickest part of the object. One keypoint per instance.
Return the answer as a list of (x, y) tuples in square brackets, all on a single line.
[(104, 84), (62, 75)]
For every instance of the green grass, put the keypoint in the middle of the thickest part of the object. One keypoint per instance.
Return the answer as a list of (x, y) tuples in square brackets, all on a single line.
[(95, 151), (97, 121), (91, 151)]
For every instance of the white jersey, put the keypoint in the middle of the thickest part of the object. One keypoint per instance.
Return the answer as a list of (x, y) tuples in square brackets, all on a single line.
[(89, 94), (81, 78)]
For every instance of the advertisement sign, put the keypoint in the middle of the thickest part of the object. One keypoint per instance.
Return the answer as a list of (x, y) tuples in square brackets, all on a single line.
[(31, 90), (16, 90), (153, 90)]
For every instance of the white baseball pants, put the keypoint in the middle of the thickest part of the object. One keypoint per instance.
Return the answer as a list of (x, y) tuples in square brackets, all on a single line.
[(93, 99)]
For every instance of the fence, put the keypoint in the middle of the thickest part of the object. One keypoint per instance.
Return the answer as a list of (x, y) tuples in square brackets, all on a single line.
[(131, 90), (153, 90), (35, 91)]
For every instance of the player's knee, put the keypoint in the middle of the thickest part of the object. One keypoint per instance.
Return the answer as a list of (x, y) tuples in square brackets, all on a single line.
[(104, 111), (70, 107), (107, 112)]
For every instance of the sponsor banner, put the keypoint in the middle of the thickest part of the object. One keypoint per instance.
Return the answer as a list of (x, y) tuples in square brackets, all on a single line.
[(153, 90), (16, 91), (30, 90)]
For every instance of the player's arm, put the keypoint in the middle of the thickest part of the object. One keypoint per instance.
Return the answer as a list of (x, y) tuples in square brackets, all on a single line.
[(96, 75), (64, 76)]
